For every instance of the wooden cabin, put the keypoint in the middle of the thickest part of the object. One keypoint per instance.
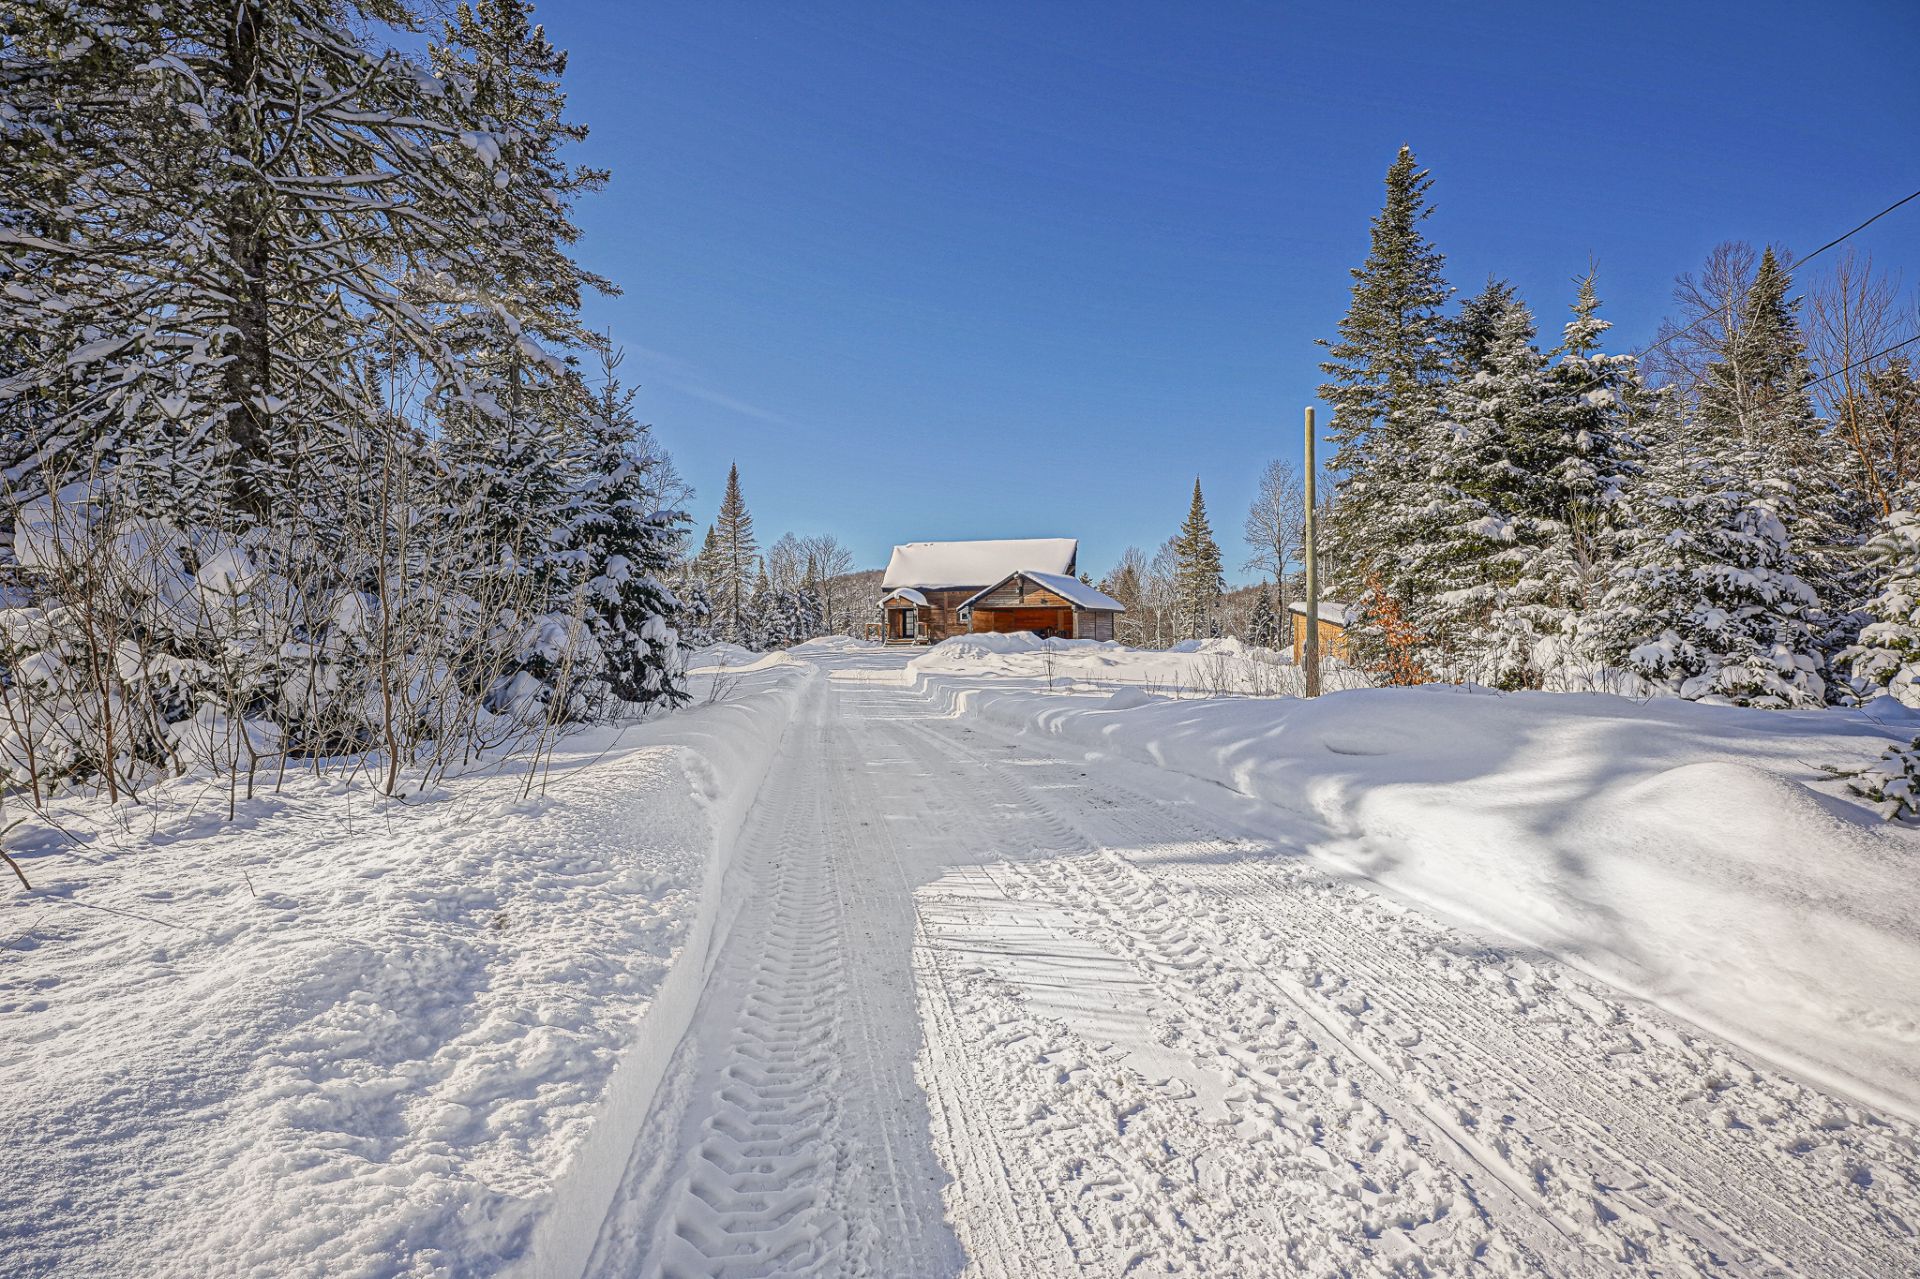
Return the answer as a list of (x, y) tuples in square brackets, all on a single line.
[(936, 590), (1333, 631), (1048, 604)]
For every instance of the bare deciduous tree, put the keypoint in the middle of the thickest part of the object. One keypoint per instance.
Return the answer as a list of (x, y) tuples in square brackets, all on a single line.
[(1709, 305), (1276, 528), (1854, 313)]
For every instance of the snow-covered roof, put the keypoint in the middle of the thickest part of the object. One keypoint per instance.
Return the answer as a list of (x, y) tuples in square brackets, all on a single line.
[(906, 593), (944, 565), (1066, 587), (1338, 614)]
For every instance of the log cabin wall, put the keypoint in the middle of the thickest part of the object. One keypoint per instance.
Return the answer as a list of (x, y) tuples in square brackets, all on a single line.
[(1018, 592), (940, 619)]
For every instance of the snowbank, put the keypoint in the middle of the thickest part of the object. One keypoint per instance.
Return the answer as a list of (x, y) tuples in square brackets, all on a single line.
[(1698, 856), (1193, 667), (351, 1035)]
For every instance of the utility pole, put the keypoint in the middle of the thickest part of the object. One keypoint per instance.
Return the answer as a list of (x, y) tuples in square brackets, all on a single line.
[(1310, 649)]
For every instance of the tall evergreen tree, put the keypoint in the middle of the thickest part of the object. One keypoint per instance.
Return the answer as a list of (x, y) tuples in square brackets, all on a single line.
[(1198, 582), (1384, 373), (1478, 555), (1263, 624), (1757, 413), (735, 565), (1704, 601), (617, 550), (1885, 660)]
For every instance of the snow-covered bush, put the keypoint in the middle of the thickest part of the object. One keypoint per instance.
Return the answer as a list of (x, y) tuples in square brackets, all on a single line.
[(1886, 659), (1705, 604), (1893, 783)]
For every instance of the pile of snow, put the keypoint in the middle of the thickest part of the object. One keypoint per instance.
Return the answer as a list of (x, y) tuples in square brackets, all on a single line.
[(827, 644), (1225, 644), (356, 1035), (722, 655), (1212, 667), (1703, 857)]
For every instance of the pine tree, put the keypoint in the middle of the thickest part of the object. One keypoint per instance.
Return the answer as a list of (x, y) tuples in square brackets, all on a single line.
[(760, 625), (1473, 331), (1757, 414), (1477, 551), (1197, 580), (618, 550), (734, 566), (1885, 660), (1597, 396), (222, 214), (1704, 602), (1263, 625), (1383, 380)]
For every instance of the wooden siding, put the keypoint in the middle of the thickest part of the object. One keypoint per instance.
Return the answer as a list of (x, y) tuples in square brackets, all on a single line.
[(1333, 639), (1093, 624), (940, 619), (1041, 621), (1018, 592)]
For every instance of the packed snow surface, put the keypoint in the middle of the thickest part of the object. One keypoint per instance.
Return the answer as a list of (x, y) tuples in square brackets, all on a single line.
[(931, 565), (347, 1034), (867, 966)]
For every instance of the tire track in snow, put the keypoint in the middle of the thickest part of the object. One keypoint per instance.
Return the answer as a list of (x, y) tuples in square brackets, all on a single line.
[(1365, 1190), (785, 1159), (1711, 1196)]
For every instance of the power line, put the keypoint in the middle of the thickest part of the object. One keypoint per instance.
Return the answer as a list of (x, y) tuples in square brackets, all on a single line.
[(1863, 226), (1797, 264), (1866, 359)]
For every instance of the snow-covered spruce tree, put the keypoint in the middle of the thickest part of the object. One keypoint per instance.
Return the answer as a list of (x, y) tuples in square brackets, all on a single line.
[(1263, 624), (617, 550), (763, 622), (1597, 396), (1704, 602), (1383, 380), (254, 263), (1893, 782), (732, 568), (1755, 406), (1885, 660), (1477, 540), (1197, 583), (693, 618)]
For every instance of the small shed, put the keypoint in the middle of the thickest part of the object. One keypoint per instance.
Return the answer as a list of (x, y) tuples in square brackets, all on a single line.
[(1048, 604), (1333, 630)]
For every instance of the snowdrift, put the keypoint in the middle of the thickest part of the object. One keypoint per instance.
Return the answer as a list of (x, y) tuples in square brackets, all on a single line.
[(1192, 666), (1699, 856), (351, 1035)]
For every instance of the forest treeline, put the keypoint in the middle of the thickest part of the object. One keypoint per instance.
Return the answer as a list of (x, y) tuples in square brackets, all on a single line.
[(1726, 515), (305, 448)]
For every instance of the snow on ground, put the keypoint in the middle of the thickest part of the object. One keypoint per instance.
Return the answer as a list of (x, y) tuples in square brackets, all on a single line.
[(349, 1035), (1192, 668), (1002, 1000), (907, 963), (1703, 857)]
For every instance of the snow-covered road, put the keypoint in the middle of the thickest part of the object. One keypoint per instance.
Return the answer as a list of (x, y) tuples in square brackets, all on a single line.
[(984, 1008)]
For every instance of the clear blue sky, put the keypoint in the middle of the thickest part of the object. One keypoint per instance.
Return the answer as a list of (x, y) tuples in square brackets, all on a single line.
[(978, 270)]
